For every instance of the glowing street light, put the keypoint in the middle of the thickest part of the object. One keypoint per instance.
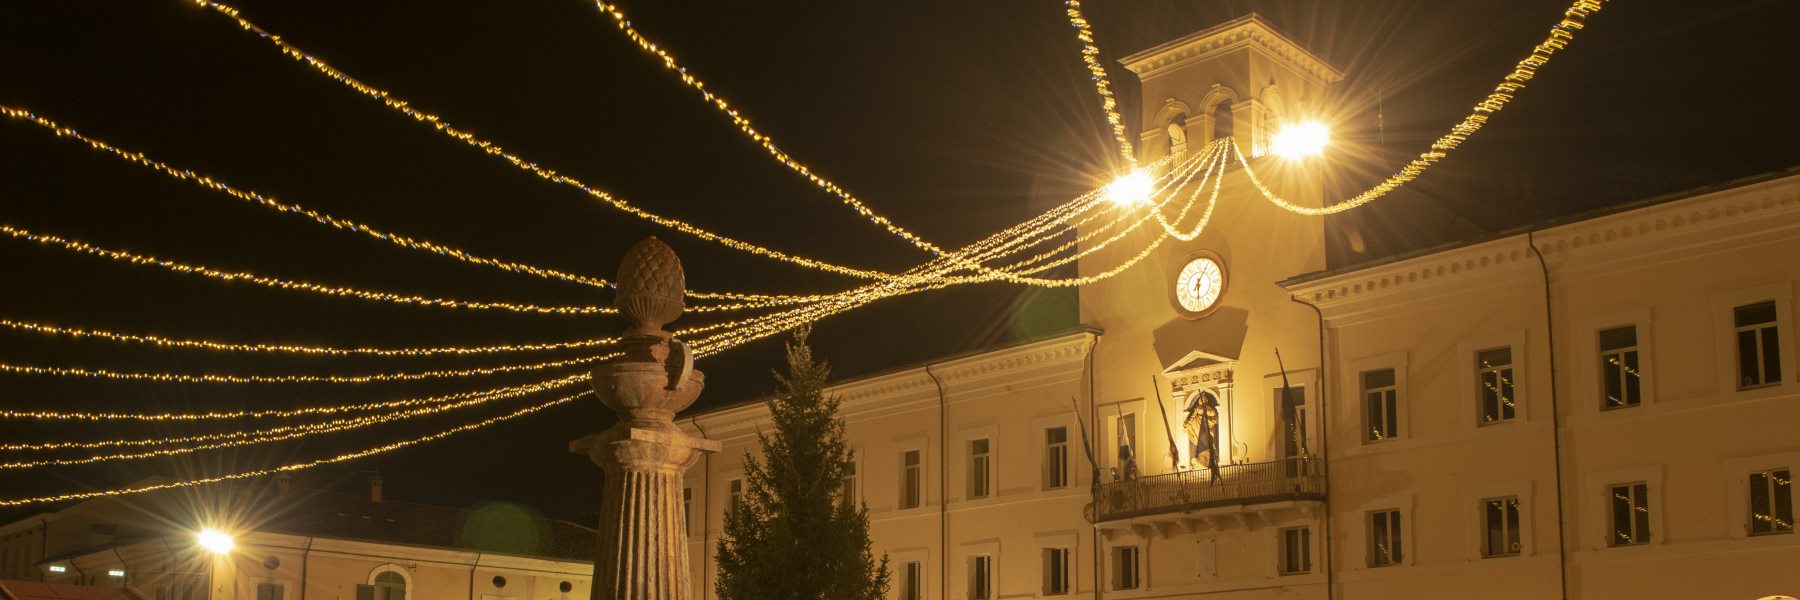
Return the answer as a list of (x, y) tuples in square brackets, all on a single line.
[(1131, 188), (215, 541), (1301, 140)]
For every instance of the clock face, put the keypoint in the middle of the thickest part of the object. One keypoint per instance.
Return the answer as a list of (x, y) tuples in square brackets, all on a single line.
[(1198, 286)]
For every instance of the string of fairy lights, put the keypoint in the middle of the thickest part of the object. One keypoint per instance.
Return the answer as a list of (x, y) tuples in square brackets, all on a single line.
[(1019, 254)]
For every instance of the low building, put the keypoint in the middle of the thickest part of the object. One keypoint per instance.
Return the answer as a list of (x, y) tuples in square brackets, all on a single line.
[(288, 544)]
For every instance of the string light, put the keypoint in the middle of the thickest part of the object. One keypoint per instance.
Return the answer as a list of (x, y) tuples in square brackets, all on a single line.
[(1574, 19), (240, 439), (1090, 56), (217, 378), (295, 412), (290, 284), (288, 468), (269, 202), (405, 107), (253, 197), (165, 342)]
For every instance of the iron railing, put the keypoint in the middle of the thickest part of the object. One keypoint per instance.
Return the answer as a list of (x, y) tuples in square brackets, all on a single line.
[(1240, 484)]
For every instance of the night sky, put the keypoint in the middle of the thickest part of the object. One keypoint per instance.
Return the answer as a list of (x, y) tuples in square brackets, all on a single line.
[(952, 118)]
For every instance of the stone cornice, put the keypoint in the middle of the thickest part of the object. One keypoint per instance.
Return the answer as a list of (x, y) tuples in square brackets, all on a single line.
[(1246, 31), (1672, 226), (899, 386)]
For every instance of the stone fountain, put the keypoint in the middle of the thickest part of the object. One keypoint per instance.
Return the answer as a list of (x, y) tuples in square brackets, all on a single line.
[(642, 552)]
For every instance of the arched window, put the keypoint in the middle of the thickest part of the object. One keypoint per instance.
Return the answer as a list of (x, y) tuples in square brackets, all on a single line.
[(1222, 120), (1177, 131), (388, 583)]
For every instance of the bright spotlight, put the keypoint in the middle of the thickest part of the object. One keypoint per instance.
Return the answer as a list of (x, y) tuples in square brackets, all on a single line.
[(1300, 140), (1131, 188), (215, 541)]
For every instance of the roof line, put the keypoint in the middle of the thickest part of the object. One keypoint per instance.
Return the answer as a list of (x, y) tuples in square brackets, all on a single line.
[(1543, 224), (910, 366)]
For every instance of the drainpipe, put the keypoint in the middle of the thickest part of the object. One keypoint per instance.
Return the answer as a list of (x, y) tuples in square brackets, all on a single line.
[(943, 486), (304, 554), (472, 566), (1562, 555), (1094, 469), (44, 539), (126, 580), (705, 496), (1324, 449)]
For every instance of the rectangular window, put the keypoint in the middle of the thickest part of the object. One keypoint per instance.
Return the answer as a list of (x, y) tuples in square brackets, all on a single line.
[(910, 479), (1630, 514), (912, 581), (847, 492), (687, 510), (1384, 538), (981, 577), (1125, 568), (1771, 502), (269, 591), (1381, 400), (1494, 376), (1056, 571), (735, 495), (1500, 527), (1296, 550), (980, 473), (1758, 345), (1056, 457), (1619, 370)]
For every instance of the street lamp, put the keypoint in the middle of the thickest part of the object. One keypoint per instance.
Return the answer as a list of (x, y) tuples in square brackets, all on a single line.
[(1301, 140), (214, 541), (1131, 188)]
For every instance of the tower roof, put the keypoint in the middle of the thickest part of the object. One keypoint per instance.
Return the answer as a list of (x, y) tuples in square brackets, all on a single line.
[(1248, 31)]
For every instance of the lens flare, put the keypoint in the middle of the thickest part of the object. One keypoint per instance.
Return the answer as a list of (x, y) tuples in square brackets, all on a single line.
[(1301, 140), (1131, 188), (215, 541)]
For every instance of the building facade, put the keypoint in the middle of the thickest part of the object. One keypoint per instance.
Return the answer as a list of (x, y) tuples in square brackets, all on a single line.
[(300, 544), (1597, 408)]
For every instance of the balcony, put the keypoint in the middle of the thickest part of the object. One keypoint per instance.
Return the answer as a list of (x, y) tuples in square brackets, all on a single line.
[(1191, 499)]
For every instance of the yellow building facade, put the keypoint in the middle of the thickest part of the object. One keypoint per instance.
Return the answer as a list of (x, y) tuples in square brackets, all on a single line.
[(1597, 408)]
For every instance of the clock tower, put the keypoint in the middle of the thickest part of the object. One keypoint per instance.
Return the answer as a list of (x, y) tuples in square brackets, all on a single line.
[(1204, 318)]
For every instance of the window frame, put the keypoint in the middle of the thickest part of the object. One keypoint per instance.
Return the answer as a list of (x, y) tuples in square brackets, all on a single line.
[(980, 468), (912, 475), (1596, 533), (1395, 534), (1637, 496), (1469, 350), (1772, 477), (1372, 431), (1054, 478), (1760, 332), (1590, 381), (1284, 540), (1628, 367), (406, 593), (1514, 547), (1725, 324), (1116, 567), (1475, 497), (1505, 381), (1053, 555), (850, 488), (733, 498)]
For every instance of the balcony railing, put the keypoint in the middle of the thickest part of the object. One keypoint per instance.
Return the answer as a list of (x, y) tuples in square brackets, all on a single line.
[(1241, 484)]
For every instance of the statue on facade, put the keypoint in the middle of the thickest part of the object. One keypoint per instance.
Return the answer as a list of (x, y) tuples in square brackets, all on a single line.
[(1202, 427)]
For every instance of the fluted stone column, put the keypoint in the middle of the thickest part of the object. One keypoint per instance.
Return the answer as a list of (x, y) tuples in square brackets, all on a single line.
[(643, 542)]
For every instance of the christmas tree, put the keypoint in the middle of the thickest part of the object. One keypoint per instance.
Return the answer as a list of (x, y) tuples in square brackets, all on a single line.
[(795, 535)]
